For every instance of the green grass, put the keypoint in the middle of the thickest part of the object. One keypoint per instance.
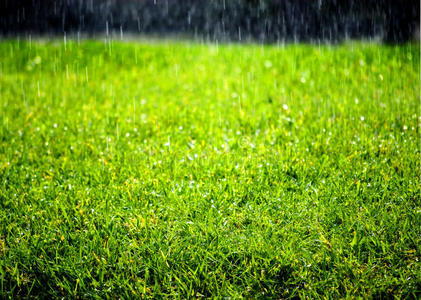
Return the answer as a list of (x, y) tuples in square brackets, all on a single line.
[(180, 170)]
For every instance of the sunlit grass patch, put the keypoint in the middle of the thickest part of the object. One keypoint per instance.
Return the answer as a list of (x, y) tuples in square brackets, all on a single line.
[(187, 170)]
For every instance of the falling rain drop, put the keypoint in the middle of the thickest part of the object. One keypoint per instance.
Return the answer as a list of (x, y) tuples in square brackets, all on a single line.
[(134, 111)]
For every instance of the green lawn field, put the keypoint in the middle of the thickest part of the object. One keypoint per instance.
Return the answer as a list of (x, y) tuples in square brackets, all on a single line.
[(186, 170)]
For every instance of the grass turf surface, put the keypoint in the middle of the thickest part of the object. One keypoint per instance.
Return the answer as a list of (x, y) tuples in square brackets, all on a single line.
[(187, 170)]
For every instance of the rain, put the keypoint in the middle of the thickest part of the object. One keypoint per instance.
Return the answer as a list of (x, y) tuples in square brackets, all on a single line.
[(258, 149), (267, 21)]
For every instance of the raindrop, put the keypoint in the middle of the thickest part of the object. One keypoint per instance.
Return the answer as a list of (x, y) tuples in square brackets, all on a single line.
[(168, 144), (134, 111)]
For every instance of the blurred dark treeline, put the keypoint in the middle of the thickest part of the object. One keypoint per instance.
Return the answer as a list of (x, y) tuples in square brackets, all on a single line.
[(223, 20)]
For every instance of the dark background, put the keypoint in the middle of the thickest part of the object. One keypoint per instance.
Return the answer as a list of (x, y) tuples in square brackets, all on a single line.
[(217, 20)]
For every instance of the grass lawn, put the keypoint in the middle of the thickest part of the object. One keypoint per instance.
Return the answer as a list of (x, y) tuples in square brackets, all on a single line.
[(181, 170)]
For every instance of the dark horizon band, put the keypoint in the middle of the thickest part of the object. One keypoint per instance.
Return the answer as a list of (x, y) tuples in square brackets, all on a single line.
[(225, 20)]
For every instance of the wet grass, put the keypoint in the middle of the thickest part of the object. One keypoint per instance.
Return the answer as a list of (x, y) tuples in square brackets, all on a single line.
[(188, 170)]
